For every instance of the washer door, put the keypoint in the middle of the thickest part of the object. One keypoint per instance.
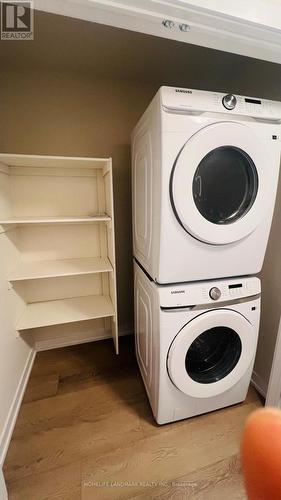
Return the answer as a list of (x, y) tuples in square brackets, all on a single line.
[(219, 186), (211, 353)]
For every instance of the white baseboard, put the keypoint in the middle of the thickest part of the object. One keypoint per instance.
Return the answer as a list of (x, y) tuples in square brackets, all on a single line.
[(82, 337), (14, 409), (55, 343), (259, 384), (3, 490)]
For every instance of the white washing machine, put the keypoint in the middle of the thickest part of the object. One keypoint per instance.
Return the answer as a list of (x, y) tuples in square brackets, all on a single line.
[(204, 170), (195, 343)]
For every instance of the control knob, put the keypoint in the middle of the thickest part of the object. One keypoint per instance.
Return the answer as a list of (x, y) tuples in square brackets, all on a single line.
[(215, 293), (229, 101)]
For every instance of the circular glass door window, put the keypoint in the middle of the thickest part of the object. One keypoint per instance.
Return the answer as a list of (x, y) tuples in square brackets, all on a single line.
[(225, 185), (213, 355)]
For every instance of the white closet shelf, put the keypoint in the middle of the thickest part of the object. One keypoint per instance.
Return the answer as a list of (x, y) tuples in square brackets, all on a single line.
[(55, 220), (59, 268), (38, 161), (57, 312)]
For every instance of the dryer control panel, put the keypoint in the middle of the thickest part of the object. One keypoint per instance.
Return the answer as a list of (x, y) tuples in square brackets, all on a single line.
[(175, 99), (207, 292)]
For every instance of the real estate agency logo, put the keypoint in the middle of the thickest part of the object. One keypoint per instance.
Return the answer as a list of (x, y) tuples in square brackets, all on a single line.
[(17, 20)]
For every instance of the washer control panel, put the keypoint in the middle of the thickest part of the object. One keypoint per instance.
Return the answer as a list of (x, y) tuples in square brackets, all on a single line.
[(215, 293), (207, 292)]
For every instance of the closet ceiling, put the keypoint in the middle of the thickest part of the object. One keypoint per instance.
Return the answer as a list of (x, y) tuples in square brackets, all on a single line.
[(69, 45)]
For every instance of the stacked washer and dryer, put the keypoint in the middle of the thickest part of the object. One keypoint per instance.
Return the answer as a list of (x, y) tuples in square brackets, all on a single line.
[(204, 177)]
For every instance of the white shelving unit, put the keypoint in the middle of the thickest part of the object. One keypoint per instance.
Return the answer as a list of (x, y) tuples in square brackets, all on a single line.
[(57, 216)]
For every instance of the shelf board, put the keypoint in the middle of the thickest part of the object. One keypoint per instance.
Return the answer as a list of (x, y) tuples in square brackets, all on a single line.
[(57, 312), (17, 160), (59, 268), (55, 220)]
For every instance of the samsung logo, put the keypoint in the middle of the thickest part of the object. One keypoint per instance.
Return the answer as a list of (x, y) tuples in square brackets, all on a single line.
[(184, 91), (177, 291)]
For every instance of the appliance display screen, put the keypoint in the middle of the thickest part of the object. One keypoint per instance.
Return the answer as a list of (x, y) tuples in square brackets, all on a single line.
[(253, 101)]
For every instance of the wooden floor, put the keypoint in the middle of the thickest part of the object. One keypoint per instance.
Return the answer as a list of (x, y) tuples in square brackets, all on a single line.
[(85, 431)]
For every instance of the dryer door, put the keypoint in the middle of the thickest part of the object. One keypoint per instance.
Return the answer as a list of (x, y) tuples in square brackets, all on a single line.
[(220, 183), (211, 353)]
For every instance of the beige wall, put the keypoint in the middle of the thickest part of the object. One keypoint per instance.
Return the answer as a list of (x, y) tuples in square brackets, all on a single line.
[(79, 116)]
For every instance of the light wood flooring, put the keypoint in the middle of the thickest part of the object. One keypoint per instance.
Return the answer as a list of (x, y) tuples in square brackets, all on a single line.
[(85, 431)]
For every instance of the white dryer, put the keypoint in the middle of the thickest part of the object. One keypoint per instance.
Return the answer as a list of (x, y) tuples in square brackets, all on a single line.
[(204, 177), (195, 343)]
